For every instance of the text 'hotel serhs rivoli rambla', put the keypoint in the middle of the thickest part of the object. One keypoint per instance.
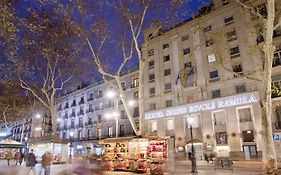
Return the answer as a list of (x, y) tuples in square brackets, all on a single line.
[(197, 107)]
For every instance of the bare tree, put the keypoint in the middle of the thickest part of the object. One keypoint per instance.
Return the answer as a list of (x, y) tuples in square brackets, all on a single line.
[(46, 56), (131, 18)]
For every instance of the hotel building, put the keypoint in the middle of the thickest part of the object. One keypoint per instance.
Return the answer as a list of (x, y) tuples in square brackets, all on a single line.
[(195, 77)]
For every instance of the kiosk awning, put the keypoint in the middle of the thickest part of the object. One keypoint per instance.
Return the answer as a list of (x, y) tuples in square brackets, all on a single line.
[(48, 139)]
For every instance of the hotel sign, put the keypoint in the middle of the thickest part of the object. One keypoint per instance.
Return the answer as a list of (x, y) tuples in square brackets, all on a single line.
[(203, 106)]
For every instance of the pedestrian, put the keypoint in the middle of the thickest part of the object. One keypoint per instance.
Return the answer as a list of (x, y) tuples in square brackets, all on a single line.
[(30, 160), (206, 157), (46, 163), (21, 157), (17, 157), (9, 156)]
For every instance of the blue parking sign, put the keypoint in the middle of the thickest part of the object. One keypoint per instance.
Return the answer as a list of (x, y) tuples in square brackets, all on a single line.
[(276, 137)]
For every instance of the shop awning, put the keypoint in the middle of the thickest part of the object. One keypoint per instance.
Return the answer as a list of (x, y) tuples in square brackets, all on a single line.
[(124, 139), (9, 143), (48, 139)]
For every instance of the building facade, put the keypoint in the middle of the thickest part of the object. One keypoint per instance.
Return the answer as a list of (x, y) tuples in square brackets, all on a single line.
[(195, 76), (89, 114)]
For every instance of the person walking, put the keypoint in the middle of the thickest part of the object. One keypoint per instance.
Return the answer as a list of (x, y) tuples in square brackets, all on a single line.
[(17, 157), (30, 160), (9, 156), (46, 163), (21, 157)]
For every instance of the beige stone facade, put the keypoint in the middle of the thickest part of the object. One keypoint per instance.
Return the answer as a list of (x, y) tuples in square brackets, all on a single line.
[(195, 71)]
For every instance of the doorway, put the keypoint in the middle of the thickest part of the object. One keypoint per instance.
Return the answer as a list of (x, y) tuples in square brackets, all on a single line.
[(250, 152)]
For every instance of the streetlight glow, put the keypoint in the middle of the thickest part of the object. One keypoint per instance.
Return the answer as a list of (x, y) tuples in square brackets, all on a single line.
[(58, 120), (25, 138), (108, 116), (110, 94), (71, 133), (131, 102), (190, 120), (38, 129), (38, 116), (115, 114)]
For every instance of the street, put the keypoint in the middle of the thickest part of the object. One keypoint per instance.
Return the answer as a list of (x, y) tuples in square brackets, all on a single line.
[(181, 168)]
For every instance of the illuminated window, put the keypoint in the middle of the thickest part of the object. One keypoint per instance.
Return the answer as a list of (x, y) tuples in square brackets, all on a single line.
[(170, 124), (154, 126), (221, 138)]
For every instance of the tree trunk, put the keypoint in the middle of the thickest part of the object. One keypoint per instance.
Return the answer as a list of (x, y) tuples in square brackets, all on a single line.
[(125, 104), (141, 96), (53, 116), (269, 153)]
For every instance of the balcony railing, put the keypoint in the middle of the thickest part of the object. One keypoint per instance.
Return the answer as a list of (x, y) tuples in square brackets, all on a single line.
[(89, 110), (73, 104), (90, 99), (80, 113), (81, 102), (72, 114)]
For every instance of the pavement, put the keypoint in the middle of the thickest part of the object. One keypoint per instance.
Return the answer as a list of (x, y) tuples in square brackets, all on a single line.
[(181, 167)]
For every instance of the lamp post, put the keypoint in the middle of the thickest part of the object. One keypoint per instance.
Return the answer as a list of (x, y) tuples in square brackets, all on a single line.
[(193, 158), (70, 146)]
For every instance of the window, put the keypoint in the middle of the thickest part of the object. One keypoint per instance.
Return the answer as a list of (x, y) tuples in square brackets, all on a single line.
[(245, 115), (169, 103), (240, 88), (135, 82), (262, 10), (209, 42), (80, 121), (123, 114), (152, 92), (211, 58), (185, 37), (235, 52), (166, 58), (214, 74), (248, 136), (188, 64), (167, 72), (151, 78), (168, 87), (216, 93), (193, 121), (136, 112), (277, 58), (154, 126), (228, 20), (151, 64), (221, 138), (121, 130), (123, 84), (208, 28), (89, 133), (237, 69), (151, 52), (100, 105), (152, 106), (219, 118), (165, 46), (100, 94), (170, 124), (186, 51), (80, 135), (136, 94), (109, 131), (99, 133), (231, 36)]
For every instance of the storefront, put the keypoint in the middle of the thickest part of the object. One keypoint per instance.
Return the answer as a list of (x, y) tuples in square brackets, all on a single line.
[(57, 146), (229, 125)]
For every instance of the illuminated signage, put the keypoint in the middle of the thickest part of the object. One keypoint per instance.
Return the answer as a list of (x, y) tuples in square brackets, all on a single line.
[(203, 106)]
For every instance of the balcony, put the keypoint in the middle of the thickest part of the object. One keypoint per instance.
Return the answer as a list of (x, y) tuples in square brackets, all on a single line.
[(90, 99), (80, 125), (72, 126), (89, 110), (66, 107), (65, 116), (80, 113), (89, 123), (72, 114), (73, 104), (81, 102), (277, 125), (59, 108)]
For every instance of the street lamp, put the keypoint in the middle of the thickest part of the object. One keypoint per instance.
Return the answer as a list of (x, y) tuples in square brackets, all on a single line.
[(71, 146), (193, 158), (131, 103)]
